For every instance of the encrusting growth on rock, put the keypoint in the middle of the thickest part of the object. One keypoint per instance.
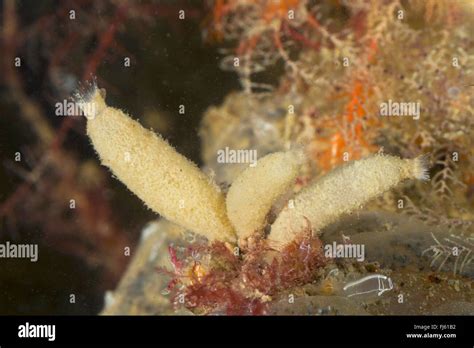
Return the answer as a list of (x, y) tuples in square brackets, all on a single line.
[(166, 181), (342, 191), (256, 189)]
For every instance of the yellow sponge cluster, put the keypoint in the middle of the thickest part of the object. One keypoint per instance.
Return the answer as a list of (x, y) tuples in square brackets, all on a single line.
[(177, 189)]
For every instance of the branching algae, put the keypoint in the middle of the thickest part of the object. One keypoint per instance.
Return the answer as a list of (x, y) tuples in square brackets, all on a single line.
[(221, 277)]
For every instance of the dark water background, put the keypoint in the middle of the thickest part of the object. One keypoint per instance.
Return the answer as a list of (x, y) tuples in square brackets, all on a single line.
[(172, 64)]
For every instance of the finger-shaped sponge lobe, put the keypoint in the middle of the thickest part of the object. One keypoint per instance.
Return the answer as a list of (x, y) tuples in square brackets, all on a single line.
[(342, 191), (256, 189), (166, 181)]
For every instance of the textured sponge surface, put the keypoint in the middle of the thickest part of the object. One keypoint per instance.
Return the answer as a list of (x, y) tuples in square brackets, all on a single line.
[(342, 191), (166, 181)]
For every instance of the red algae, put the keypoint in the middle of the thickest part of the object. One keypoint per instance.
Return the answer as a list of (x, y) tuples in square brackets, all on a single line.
[(214, 279)]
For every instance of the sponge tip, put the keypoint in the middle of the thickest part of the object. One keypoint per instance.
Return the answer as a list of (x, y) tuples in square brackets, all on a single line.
[(421, 166), (90, 99)]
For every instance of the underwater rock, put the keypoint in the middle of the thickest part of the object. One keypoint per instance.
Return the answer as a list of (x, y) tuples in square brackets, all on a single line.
[(317, 305), (395, 241), (140, 290), (454, 308)]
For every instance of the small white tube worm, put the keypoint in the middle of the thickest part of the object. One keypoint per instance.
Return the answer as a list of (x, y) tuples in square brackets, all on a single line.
[(166, 181), (342, 191), (256, 189)]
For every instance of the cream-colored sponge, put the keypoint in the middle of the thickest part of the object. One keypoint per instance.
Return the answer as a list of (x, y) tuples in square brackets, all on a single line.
[(166, 181), (342, 191), (256, 189)]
